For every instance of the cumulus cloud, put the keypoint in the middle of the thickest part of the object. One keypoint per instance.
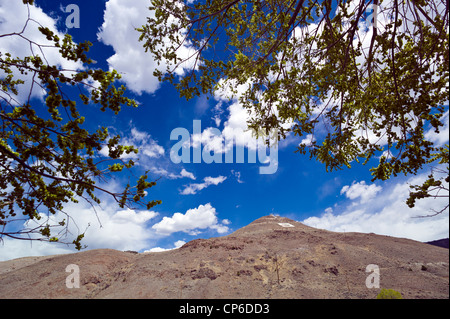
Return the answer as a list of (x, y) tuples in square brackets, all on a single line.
[(123, 230), (442, 137), (145, 143), (185, 173), (364, 34), (176, 245), (121, 18), (193, 188), (308, 140), (236, 125), (361, 190), (148, 147), (211, 138), (235, 130), (131, 216), (194, 220), (385, 212), (166, 173), (14, 15), (13, 248), (106, 227)]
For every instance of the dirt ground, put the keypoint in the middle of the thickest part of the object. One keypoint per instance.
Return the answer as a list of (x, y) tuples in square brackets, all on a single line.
[(273, 257)]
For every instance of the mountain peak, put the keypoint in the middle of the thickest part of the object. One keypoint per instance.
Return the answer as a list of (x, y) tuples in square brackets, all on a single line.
[(270, 223), (272, 257)]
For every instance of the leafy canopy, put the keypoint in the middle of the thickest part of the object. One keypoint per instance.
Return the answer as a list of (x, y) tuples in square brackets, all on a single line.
[(47, 157), (360, 79)]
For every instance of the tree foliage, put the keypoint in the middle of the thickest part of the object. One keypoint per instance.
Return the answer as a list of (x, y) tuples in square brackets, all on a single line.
[(47, 156), (435, 186), (363, 79)]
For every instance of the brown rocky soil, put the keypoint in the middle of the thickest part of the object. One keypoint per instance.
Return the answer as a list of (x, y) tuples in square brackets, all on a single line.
[(261, 260)]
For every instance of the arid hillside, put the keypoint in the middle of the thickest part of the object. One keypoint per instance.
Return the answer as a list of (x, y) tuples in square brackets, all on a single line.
[(273, 257)]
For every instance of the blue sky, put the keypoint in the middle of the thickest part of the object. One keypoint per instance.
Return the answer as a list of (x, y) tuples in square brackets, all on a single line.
[(201, 200)]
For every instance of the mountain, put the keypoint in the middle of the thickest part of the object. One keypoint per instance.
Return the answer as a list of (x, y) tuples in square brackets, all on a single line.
[(440, 242), (273, 257)]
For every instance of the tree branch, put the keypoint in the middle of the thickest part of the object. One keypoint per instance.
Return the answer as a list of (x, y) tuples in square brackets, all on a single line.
[(61, 179)]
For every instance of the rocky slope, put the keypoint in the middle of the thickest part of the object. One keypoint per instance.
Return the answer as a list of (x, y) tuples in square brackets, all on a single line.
[(273, 257)]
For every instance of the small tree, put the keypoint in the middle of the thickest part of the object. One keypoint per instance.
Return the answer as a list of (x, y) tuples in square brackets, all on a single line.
[(389, 294)]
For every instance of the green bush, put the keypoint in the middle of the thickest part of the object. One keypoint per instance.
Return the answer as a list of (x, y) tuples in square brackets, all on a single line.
[(389, 294)]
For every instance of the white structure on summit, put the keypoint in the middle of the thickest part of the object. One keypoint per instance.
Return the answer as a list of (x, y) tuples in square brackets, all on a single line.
[(286, 225)]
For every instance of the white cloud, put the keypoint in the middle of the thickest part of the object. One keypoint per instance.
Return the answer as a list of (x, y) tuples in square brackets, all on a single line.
[(361, 190), (192, 189), (121, 17), (235, 131), (106, 227), (364, 34), (194, 220), (177, 245), (131, 216), (13, 248), (442, 137), (217, 111), (148, 147), (234, 138), (164, 172), (118, 30), (211, 138), (236, 127), (123, 230), (309, 140), (385, 212), (214, 180), (14, 15), (185, 173)]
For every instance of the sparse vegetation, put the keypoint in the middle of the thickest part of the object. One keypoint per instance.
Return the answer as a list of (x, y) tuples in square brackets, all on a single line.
[(389, 294)]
